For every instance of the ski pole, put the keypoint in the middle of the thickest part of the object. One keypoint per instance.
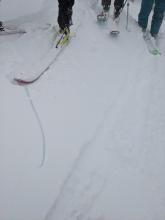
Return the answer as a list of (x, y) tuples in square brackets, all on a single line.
[(127, 16)]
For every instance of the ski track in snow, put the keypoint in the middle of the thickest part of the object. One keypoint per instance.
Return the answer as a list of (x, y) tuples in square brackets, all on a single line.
[(40, 125), (119, 147), (85, 181)]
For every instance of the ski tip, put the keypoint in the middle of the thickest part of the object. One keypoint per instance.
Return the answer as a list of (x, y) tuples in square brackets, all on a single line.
[(159, 52), (155, 52), (114, 33), (12, 32), (21, 82)]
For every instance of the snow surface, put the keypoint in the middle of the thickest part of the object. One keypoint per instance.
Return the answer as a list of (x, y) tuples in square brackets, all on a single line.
[(87, 140)]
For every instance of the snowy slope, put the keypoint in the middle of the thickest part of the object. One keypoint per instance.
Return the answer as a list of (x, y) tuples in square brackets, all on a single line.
[(87, 140)]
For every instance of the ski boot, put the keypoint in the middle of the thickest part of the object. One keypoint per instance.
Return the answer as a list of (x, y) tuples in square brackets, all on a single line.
[(151, 43), (63, 38), (104, 15), (1, 26)]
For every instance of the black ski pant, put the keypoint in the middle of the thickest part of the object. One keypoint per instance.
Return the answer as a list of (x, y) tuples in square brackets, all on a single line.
[(65, 12), (117, 3)]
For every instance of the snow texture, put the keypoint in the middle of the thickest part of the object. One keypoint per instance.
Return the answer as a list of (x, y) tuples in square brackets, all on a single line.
[(87, 140)]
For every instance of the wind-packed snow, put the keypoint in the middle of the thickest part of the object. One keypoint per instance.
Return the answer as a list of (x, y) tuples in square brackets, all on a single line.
[(87, 140)]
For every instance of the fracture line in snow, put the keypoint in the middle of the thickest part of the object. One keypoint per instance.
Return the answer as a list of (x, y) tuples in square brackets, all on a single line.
[(40, 126), (84, 149), (82, 153)]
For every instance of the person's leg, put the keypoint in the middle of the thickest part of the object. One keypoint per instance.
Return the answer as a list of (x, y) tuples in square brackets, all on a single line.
[(158, 16), (62, 6), (106, 4), (65, 13), (118, 4), (70, 11), (70, 3), (146, 7)]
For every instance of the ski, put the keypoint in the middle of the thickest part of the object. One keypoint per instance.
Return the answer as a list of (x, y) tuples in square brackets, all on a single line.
[(60, 45), (22, 82), (64, 38), (114, 29), (159, 40), (11, 30), (102, 17), (114, 33), (151, 43)]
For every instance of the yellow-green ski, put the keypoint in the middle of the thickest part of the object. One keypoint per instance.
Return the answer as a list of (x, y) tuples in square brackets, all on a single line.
[(64, 38)]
